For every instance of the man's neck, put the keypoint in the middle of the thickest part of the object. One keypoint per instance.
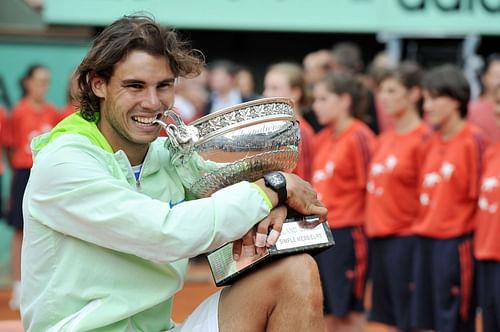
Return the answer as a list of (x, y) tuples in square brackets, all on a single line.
[(134, 152), (136, 157)]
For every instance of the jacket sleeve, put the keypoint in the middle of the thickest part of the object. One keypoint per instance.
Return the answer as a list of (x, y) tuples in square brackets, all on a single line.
[(73, 191)]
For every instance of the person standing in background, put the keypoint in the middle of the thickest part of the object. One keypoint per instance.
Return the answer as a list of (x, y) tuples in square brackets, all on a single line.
[(246, 83), (443, 299), (190, 99), (347, 57), (392, 196), (316, 65), (381, 64), (222, 84), (342, 153), (286, 79), (481, 111), (32, 116), (486, 244)]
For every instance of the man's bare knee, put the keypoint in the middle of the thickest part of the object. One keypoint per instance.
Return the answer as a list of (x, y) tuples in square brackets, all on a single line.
[(299, 296), (268, 297), (300, 277)]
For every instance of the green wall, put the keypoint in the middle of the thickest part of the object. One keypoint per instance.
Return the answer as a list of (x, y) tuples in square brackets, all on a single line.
[(366, 16), (61, 58)]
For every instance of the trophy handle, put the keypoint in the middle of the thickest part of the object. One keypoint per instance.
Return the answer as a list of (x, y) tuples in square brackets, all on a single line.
[(183, 137)]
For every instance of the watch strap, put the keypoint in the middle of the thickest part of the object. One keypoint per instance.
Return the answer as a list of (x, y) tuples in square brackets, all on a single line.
[(279, 189)]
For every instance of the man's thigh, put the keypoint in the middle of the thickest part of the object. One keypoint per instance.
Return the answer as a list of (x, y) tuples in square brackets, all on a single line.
[(204, 317)]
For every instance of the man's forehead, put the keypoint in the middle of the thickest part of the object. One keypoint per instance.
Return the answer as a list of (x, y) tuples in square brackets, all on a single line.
[(141, 66)]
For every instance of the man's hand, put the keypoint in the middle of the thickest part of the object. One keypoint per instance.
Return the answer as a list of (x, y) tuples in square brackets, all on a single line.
[(302, 197), (261, 236), (269, 229), (245, 246)]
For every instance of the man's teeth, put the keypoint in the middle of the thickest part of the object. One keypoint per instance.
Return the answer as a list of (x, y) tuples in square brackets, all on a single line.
[(144, 120)]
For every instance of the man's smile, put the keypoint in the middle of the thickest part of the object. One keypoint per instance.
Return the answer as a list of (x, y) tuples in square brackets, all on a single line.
[(147, 120)]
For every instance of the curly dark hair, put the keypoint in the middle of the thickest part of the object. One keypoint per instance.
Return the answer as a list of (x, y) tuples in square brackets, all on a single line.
[(129, 33)]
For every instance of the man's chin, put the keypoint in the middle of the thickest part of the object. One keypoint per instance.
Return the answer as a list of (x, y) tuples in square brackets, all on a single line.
[(146, 139)]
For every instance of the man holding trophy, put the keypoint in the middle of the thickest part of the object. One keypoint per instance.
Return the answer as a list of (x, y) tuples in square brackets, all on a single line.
[(110, 222)]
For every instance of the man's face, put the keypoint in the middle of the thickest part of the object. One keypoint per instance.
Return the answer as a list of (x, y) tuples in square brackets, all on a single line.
[(140, 89), (439, 109)]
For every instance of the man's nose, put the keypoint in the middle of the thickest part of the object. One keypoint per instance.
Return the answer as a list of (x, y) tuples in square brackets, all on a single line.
[(151, 100)]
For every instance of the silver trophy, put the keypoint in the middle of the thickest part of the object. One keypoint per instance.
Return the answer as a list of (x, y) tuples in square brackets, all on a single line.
[(244, 142)]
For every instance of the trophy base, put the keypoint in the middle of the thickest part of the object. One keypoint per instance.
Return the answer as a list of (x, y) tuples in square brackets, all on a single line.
[(299, 234)]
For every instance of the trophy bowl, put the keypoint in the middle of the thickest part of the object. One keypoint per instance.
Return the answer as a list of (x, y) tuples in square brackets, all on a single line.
[(238, 143)]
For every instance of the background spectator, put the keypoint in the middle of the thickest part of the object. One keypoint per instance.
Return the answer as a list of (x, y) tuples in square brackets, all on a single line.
[(481, 111), (30, 117)]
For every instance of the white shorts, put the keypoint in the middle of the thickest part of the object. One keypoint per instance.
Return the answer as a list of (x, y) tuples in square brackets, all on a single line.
[(205, 318)]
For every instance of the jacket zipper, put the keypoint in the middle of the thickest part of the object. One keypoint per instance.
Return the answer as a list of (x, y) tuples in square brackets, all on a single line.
[(138, 180)]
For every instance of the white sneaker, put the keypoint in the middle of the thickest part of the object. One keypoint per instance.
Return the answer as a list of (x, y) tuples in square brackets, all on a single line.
[(15, 297)]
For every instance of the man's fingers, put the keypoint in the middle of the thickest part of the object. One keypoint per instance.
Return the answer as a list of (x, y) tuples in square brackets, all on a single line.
[(262, 229), (248, 245), (237, 250), (319, 210), (273, 237), (248, 250), (247, 239), (261, 236), (260, 240), (308, 205), (277, 224)]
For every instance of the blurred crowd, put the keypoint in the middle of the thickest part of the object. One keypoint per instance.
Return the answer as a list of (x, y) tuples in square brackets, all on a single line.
[(402, 156)]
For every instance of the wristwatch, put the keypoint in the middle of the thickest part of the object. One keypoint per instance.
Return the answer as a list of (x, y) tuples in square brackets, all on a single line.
[(277, 182)]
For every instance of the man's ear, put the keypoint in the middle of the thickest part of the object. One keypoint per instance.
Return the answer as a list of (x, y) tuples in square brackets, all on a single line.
[(98, 86)]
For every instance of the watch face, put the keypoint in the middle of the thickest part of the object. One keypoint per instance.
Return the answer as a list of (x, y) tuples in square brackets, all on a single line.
[(275, 179)]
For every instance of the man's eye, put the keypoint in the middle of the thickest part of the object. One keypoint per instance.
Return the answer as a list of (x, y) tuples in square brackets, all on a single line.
[(165, 85), (134, 86)]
